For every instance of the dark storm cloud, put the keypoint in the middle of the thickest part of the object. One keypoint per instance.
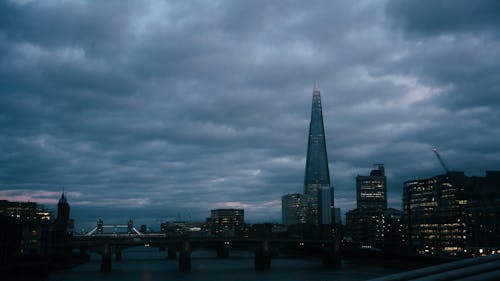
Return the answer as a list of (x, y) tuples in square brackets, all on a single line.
[(445, 16), (159, 110)]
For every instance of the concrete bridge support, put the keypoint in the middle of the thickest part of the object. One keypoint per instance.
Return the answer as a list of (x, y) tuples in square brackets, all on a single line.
[(262, 258), (185, 257), (106, 258), (223, 249), (118, 254), (331, 255), (171, 252)]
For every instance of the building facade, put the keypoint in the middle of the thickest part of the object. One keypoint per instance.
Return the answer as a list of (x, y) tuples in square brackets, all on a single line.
[(293, 209), (375, 228), (317, 184), (371, 191), (483, 214), (227, 222), (372, 224), (434, 210), (25, 230)]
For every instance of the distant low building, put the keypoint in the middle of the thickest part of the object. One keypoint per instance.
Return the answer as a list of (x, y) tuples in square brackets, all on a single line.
[(183, 228), (374, 228), (227, 222)]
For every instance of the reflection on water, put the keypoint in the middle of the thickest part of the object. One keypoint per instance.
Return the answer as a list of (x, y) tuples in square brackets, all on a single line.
[(147, 264)]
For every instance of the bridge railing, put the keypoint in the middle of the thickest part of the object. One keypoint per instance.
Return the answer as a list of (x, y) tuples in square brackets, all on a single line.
[(471, 269)]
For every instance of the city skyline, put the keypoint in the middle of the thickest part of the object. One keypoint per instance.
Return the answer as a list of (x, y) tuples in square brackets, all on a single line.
[(160, 111)]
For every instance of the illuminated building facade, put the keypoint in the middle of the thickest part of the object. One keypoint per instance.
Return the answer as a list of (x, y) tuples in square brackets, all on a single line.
[(25, 230), (371, 191), (293, 208), (227, 222), (435, 214)]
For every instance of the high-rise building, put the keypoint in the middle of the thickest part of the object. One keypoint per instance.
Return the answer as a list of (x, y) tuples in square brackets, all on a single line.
[(434, 211), (371, 190), (371, 224), (317, 185), (336, 216), (293, 208)]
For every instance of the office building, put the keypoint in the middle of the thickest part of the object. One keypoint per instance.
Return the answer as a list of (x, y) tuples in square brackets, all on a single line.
[(227, 222), (371, 224), (371, 191), (483, 214), (25, 230), (293, 208), (336, 216), (434, 211), (317, 175), (375, 228)]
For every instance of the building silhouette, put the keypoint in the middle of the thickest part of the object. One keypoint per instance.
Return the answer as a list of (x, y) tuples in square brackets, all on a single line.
[(372, 224), (483, 214), (25, 231), (63, 225), (317, 186)]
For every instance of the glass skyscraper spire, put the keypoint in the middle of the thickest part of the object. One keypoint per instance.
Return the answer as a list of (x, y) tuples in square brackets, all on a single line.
[(317, 185)]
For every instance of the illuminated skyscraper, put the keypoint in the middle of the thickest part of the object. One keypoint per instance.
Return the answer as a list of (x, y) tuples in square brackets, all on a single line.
[(372, 190), (317, 176)]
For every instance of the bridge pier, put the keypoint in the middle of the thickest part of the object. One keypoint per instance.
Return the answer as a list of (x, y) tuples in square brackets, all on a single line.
[(171, 253), (118, 254), (106, 258), (262, 259), (331, 255), (185, 257), (223, 249)]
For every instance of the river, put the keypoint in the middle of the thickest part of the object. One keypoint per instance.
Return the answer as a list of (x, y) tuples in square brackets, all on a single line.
[(148, 264)]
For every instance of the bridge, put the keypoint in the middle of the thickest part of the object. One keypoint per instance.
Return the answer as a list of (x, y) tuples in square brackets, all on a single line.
[(182, 247), (100, 227)]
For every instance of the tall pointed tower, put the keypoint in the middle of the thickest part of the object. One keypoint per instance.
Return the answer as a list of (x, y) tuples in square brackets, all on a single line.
[(63, 210), (63, 224), (317, 177)]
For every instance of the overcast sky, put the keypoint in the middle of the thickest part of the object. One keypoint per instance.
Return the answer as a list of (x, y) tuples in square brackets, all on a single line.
[(161, 110)]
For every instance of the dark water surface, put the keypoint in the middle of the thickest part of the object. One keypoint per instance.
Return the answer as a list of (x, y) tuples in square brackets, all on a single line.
[(148, 264)]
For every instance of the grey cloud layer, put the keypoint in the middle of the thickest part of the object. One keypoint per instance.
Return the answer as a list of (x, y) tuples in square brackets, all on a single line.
[(157, 109)]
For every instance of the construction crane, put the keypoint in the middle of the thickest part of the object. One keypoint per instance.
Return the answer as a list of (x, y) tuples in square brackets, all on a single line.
[(440, 160)]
